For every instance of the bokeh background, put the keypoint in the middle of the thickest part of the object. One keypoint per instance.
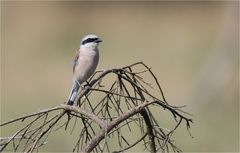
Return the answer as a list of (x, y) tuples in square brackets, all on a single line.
[(192, 48)]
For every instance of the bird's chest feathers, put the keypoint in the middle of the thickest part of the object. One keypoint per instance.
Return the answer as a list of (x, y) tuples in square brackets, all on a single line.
[(85, 65), (87, 57)]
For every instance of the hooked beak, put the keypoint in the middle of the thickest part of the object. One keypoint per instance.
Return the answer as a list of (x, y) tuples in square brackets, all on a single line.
[(98, 40)]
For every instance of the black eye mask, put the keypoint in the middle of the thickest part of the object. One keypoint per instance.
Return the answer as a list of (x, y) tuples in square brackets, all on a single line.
[(89, 40)]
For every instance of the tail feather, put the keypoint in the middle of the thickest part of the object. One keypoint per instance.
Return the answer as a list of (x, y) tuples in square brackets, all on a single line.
[(73, 93)]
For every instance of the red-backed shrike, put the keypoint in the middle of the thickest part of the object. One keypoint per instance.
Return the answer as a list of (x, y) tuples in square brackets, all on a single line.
[(84, 64)]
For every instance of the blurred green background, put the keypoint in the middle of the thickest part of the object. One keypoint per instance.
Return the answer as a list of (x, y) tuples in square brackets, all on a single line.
[(192, 48)]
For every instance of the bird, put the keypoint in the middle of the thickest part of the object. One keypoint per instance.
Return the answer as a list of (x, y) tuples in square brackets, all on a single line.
[(84, 63)]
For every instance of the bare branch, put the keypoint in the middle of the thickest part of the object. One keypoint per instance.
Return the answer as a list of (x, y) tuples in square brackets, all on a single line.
[(132, 145), (120, 103), (30, 115), (115, 122)]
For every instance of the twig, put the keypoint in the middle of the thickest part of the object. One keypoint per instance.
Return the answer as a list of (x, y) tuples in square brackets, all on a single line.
[(132, 145), (30, 115)]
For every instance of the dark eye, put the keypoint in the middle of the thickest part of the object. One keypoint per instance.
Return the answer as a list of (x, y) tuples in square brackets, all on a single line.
[(89, 40)]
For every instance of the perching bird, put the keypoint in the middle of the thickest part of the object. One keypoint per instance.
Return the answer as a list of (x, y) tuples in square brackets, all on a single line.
[(84, 64)]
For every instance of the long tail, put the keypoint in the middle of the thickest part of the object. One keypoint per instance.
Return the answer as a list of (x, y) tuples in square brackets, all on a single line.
[(73, 92)]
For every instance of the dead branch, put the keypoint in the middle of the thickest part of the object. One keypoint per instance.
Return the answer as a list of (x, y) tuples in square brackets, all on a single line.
[(124, 103)]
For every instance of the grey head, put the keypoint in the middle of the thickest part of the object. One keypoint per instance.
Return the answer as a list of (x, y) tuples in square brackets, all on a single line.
[(90, 41)]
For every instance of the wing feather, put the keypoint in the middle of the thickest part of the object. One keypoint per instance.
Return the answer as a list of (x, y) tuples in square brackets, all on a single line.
[(75, 61)]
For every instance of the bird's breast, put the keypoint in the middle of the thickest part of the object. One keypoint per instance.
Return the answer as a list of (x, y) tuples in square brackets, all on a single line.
[(86, 65)]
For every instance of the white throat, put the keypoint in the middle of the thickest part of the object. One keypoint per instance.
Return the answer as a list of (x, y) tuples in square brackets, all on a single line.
[(91, 46)]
